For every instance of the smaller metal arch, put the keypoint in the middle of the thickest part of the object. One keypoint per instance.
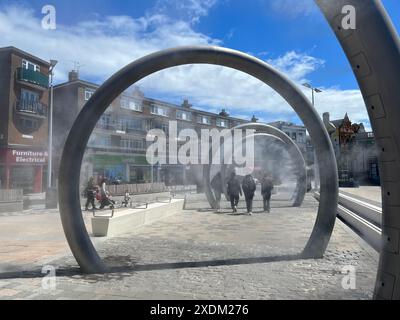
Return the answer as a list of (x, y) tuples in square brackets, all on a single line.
[(294, 152), (265, 135), (224, 167)]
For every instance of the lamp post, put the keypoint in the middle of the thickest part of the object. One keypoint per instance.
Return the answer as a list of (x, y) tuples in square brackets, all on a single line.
[(53, 63), (316, 171), (316, 90)]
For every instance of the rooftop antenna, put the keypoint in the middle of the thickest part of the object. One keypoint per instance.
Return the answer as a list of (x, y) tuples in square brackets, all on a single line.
[(77, 65)]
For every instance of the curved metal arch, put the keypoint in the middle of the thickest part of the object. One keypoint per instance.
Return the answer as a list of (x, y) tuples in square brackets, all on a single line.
[(70, 210), (207, 175), (294, 152), (373, 50)]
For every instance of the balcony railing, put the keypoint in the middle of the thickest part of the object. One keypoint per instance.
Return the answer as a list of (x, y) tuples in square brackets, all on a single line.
[(32, 107), (32, 76)]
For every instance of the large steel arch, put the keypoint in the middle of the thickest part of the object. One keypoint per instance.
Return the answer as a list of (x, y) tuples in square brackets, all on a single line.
[(373, 50), (294, 153), (70, 210)]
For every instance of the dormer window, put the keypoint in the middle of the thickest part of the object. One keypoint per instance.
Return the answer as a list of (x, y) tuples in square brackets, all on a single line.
[(30, 66), (223, 123), (160, 111), (182, 115), (204, 120)]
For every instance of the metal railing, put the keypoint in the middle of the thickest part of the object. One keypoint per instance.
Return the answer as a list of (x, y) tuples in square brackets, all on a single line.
[(32, 107), (32, 76), (363, 217)]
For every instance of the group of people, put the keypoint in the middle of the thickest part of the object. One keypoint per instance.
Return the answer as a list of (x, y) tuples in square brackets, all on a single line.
[(95, 192), (248, 187)]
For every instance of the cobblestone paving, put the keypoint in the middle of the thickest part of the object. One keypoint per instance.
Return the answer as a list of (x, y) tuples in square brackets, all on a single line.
[(204, 255)]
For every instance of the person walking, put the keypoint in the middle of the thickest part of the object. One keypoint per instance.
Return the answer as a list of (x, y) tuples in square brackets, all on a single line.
[(234, 191), (90, 194), (249, 188), (105, 196), (267, 186), (216, 185)]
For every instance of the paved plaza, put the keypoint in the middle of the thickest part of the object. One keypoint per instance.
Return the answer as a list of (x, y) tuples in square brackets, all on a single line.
[(196, 254)]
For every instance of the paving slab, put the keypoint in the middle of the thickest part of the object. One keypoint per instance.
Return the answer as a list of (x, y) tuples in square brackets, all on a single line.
[(200, 254)]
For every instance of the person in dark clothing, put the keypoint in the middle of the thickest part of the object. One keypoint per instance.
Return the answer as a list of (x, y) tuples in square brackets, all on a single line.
[(249, 188), (90, 192), (267, 186), (216, 185), (234, 191)]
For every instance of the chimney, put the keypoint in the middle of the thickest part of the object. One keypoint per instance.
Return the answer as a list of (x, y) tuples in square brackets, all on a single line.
[(223, 113), (186, 104), (73, 76)]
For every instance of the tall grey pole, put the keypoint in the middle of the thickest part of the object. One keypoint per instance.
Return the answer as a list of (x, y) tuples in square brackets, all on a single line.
[(50, 160), (316, 170)]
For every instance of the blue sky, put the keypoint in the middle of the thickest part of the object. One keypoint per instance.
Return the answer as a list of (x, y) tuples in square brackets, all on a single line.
[(106, 35)]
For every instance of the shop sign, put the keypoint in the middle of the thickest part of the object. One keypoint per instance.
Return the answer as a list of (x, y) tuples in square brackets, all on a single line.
[(27, 157)]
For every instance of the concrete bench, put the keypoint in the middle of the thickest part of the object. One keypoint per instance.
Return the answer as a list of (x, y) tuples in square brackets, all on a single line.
[(126, 219)]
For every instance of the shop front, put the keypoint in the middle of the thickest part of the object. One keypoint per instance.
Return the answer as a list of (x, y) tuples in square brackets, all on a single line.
[(23, 169), (119, 168)]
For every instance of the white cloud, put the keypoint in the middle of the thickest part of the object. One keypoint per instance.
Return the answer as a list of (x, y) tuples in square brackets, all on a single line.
[(187, 10), (294, 8), (106, 44)]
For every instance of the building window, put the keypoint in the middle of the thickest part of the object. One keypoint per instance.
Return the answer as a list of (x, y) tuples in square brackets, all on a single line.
[(131, 105), (165, 127), (28, 124), (105, 121), (30, 66), (294, 136), (160, 111), (182, 115), (222, 123), (137, 144), (132, 144), (88, 94), (99, 141), (301, 137), (204, 120), (30, 96)]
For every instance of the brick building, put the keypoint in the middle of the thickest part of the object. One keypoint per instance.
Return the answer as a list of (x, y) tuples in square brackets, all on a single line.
[(24, 101), (117, 147), (355, 151)]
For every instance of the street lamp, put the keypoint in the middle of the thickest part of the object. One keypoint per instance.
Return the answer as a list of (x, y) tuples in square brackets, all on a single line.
[(316, 171), (53, 63), (309, 86)]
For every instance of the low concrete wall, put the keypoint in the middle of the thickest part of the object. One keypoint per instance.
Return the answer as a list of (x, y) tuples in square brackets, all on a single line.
[(119, 190), (11, 201), (125, 220)]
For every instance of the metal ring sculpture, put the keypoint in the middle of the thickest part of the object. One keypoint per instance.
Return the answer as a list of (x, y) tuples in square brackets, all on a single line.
[(207, 173), (70, 210), (373, 50), (294, 152)]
